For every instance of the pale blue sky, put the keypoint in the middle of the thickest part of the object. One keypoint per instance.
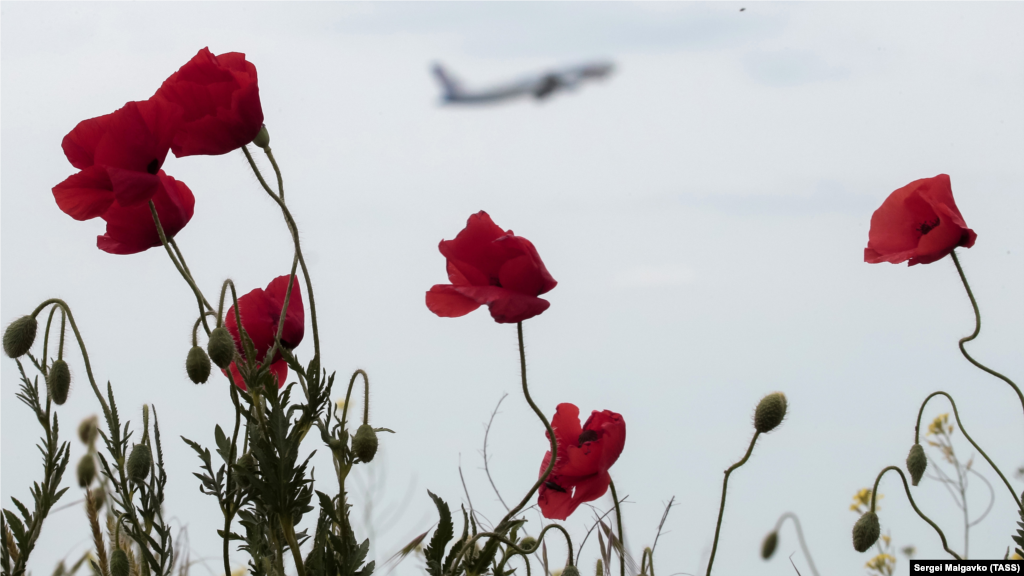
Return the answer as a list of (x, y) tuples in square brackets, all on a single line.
[(704, 210)]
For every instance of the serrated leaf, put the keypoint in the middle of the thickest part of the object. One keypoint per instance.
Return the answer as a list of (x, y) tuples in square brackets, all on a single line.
[(434, 552)]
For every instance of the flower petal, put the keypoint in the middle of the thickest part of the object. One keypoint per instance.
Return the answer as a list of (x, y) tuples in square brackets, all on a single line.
[(85, 195), (131, 229), (294, 320), (447, 302)]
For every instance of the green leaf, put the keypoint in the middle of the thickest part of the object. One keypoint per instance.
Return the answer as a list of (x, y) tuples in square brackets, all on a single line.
[(445, 531)]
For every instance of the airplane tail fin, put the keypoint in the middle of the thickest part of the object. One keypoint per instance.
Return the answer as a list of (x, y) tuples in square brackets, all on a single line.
[(451, 87)]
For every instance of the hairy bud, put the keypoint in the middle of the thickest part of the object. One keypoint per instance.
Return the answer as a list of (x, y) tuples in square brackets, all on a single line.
[(528, 543), (570, 570), (139, 463), (770, 412), (197, 364), (771, 541), (866, 531), (86, 470), (243, 467), (221, 347), (20, 335), (88, 430), (916, 463), (119, 563), (599, 570), (364, 443), (58, 382), (262, 138)]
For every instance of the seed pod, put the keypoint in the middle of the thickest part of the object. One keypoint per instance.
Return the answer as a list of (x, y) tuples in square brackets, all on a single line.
[(58, 382), (139, 463), (770, 412), (197, 364), (771, 541), (364, 443), (88, 430), (916, 463), (262, 138), (119, 563), (866, 531), (221, 347), (570, 570), (86, 470), (528, 543), (20, 335)]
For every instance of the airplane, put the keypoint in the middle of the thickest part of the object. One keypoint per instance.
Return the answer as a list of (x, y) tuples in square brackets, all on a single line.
[(539, 86)]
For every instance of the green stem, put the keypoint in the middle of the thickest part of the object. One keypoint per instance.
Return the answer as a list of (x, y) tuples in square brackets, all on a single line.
[(977, 329), (289, 535), (800, 536), (956, 413), (277, 170), (46, 337), (622, 537), (200, 300), (721, 508), (293, 228), (229, 478), (906, 487), (470, 545), (81, 344)]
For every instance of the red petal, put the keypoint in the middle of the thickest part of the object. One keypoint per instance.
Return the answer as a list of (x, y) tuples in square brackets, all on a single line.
[(566, 424), (279, 369), (526, 272), (131, 229), (294, 321), (445, 301), (473, 250), (85, 195)]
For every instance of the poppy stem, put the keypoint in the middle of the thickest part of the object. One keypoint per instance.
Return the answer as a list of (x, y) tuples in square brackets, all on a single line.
[(721, 508), (622, 537), (800, 536), (293, 228), (917, 435), (195, 328), (906, 487), (547, 425), (179, 265), (977, 329)]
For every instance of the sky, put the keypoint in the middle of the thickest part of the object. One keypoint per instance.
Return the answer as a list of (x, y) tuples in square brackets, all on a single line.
[(704, 211)]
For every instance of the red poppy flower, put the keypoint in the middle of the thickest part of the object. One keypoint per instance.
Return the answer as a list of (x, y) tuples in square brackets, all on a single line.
[(260, 311), (919, 222), (584, 456), (487, 265), (119, 155), (221, 99)]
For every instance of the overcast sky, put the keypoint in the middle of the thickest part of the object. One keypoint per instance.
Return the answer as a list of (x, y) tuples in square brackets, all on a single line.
[(704, 210)]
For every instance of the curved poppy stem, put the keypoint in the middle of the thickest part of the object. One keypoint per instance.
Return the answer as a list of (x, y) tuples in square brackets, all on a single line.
[(800, 537), (547, 426), (721, 508), (956, 413), (906, 487), (293, 228), (977, 329), (195, 328), (470, 544), (65, 309), (622, 537), (200, 299)]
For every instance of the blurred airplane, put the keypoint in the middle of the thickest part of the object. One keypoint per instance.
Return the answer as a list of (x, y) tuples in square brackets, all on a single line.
[(539, 86)]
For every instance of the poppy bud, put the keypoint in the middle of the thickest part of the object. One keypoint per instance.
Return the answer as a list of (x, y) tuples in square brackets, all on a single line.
[(770, 412), (916, 463), (20, 335), (221, 347), (866, 531), (86, 470), (364, 443), (58, 382), (119, 563), (599, 571), (197, 364), (139, 462), (570, 570), (771, 541), (244, 466), (262, 138), (88, 430), (99, 496), (528, 543)]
